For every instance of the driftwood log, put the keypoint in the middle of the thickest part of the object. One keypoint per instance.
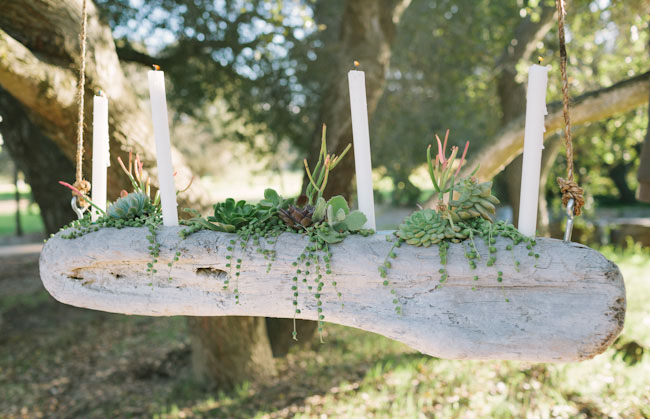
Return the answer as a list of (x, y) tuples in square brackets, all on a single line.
[(567, 305)]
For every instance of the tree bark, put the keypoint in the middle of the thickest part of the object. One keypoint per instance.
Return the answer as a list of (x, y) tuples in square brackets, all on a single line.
[(551, 150), (39, 46), (618, 174), (229, 350), (643, 174), (19, 226), (281, 338)]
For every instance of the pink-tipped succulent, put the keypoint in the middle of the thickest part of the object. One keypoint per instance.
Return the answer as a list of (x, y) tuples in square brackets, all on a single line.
[(442, 170), (135, 172)]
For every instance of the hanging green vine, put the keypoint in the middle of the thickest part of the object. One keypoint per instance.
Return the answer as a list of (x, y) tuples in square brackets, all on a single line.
[(323, 222)]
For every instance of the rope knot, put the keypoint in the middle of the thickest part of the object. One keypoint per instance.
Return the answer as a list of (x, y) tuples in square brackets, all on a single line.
[(84, 187), (571, 190)]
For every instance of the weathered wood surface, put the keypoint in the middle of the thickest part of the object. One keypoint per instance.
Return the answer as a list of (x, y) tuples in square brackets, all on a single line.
[(568, 305)]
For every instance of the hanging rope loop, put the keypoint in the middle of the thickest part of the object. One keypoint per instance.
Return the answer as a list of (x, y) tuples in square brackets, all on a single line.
[(80, 183), (569, 187)]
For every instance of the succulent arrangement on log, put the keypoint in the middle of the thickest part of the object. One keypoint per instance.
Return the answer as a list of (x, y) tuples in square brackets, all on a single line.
[(132, 209), (463, 213), (325, 222)]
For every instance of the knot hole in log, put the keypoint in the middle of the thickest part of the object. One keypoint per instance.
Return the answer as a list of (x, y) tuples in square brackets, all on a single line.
[(211, 273)]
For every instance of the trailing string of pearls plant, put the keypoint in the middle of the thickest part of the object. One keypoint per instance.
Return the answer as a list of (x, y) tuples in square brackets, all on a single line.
[(324, 222)]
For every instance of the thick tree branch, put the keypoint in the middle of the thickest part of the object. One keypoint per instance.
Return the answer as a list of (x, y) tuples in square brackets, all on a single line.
[(126, 52), (43, 79), (589, 107)]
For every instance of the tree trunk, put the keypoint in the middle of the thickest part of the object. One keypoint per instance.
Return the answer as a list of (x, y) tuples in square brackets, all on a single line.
[(281, 338), (229, 350), (618, 174), (367, 32), (19, 227), (40, 160), (39, 46), (551, 150), (643, 174)]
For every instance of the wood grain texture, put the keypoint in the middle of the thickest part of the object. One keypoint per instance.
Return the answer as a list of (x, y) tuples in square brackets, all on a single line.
[(568, 305)]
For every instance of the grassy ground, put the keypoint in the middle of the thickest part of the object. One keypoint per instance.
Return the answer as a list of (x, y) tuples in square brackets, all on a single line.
[(60, 361), (30, 218), (11, 195), (31, 222)]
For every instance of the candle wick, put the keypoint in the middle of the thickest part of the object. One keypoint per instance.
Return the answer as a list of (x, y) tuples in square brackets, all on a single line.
[(156, 67), (540, 60), (356, 64)]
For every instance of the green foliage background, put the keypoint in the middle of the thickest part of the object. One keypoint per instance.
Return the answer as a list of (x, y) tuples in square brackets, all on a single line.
[(267, 64)]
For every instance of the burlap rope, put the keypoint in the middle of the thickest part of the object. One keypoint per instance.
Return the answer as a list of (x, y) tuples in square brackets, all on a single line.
[(568, 186), (80, 183)]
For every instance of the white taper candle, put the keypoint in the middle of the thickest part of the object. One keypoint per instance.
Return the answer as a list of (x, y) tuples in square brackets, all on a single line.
[(533, 146), (361, 140), (101, 159), (163, 147)]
